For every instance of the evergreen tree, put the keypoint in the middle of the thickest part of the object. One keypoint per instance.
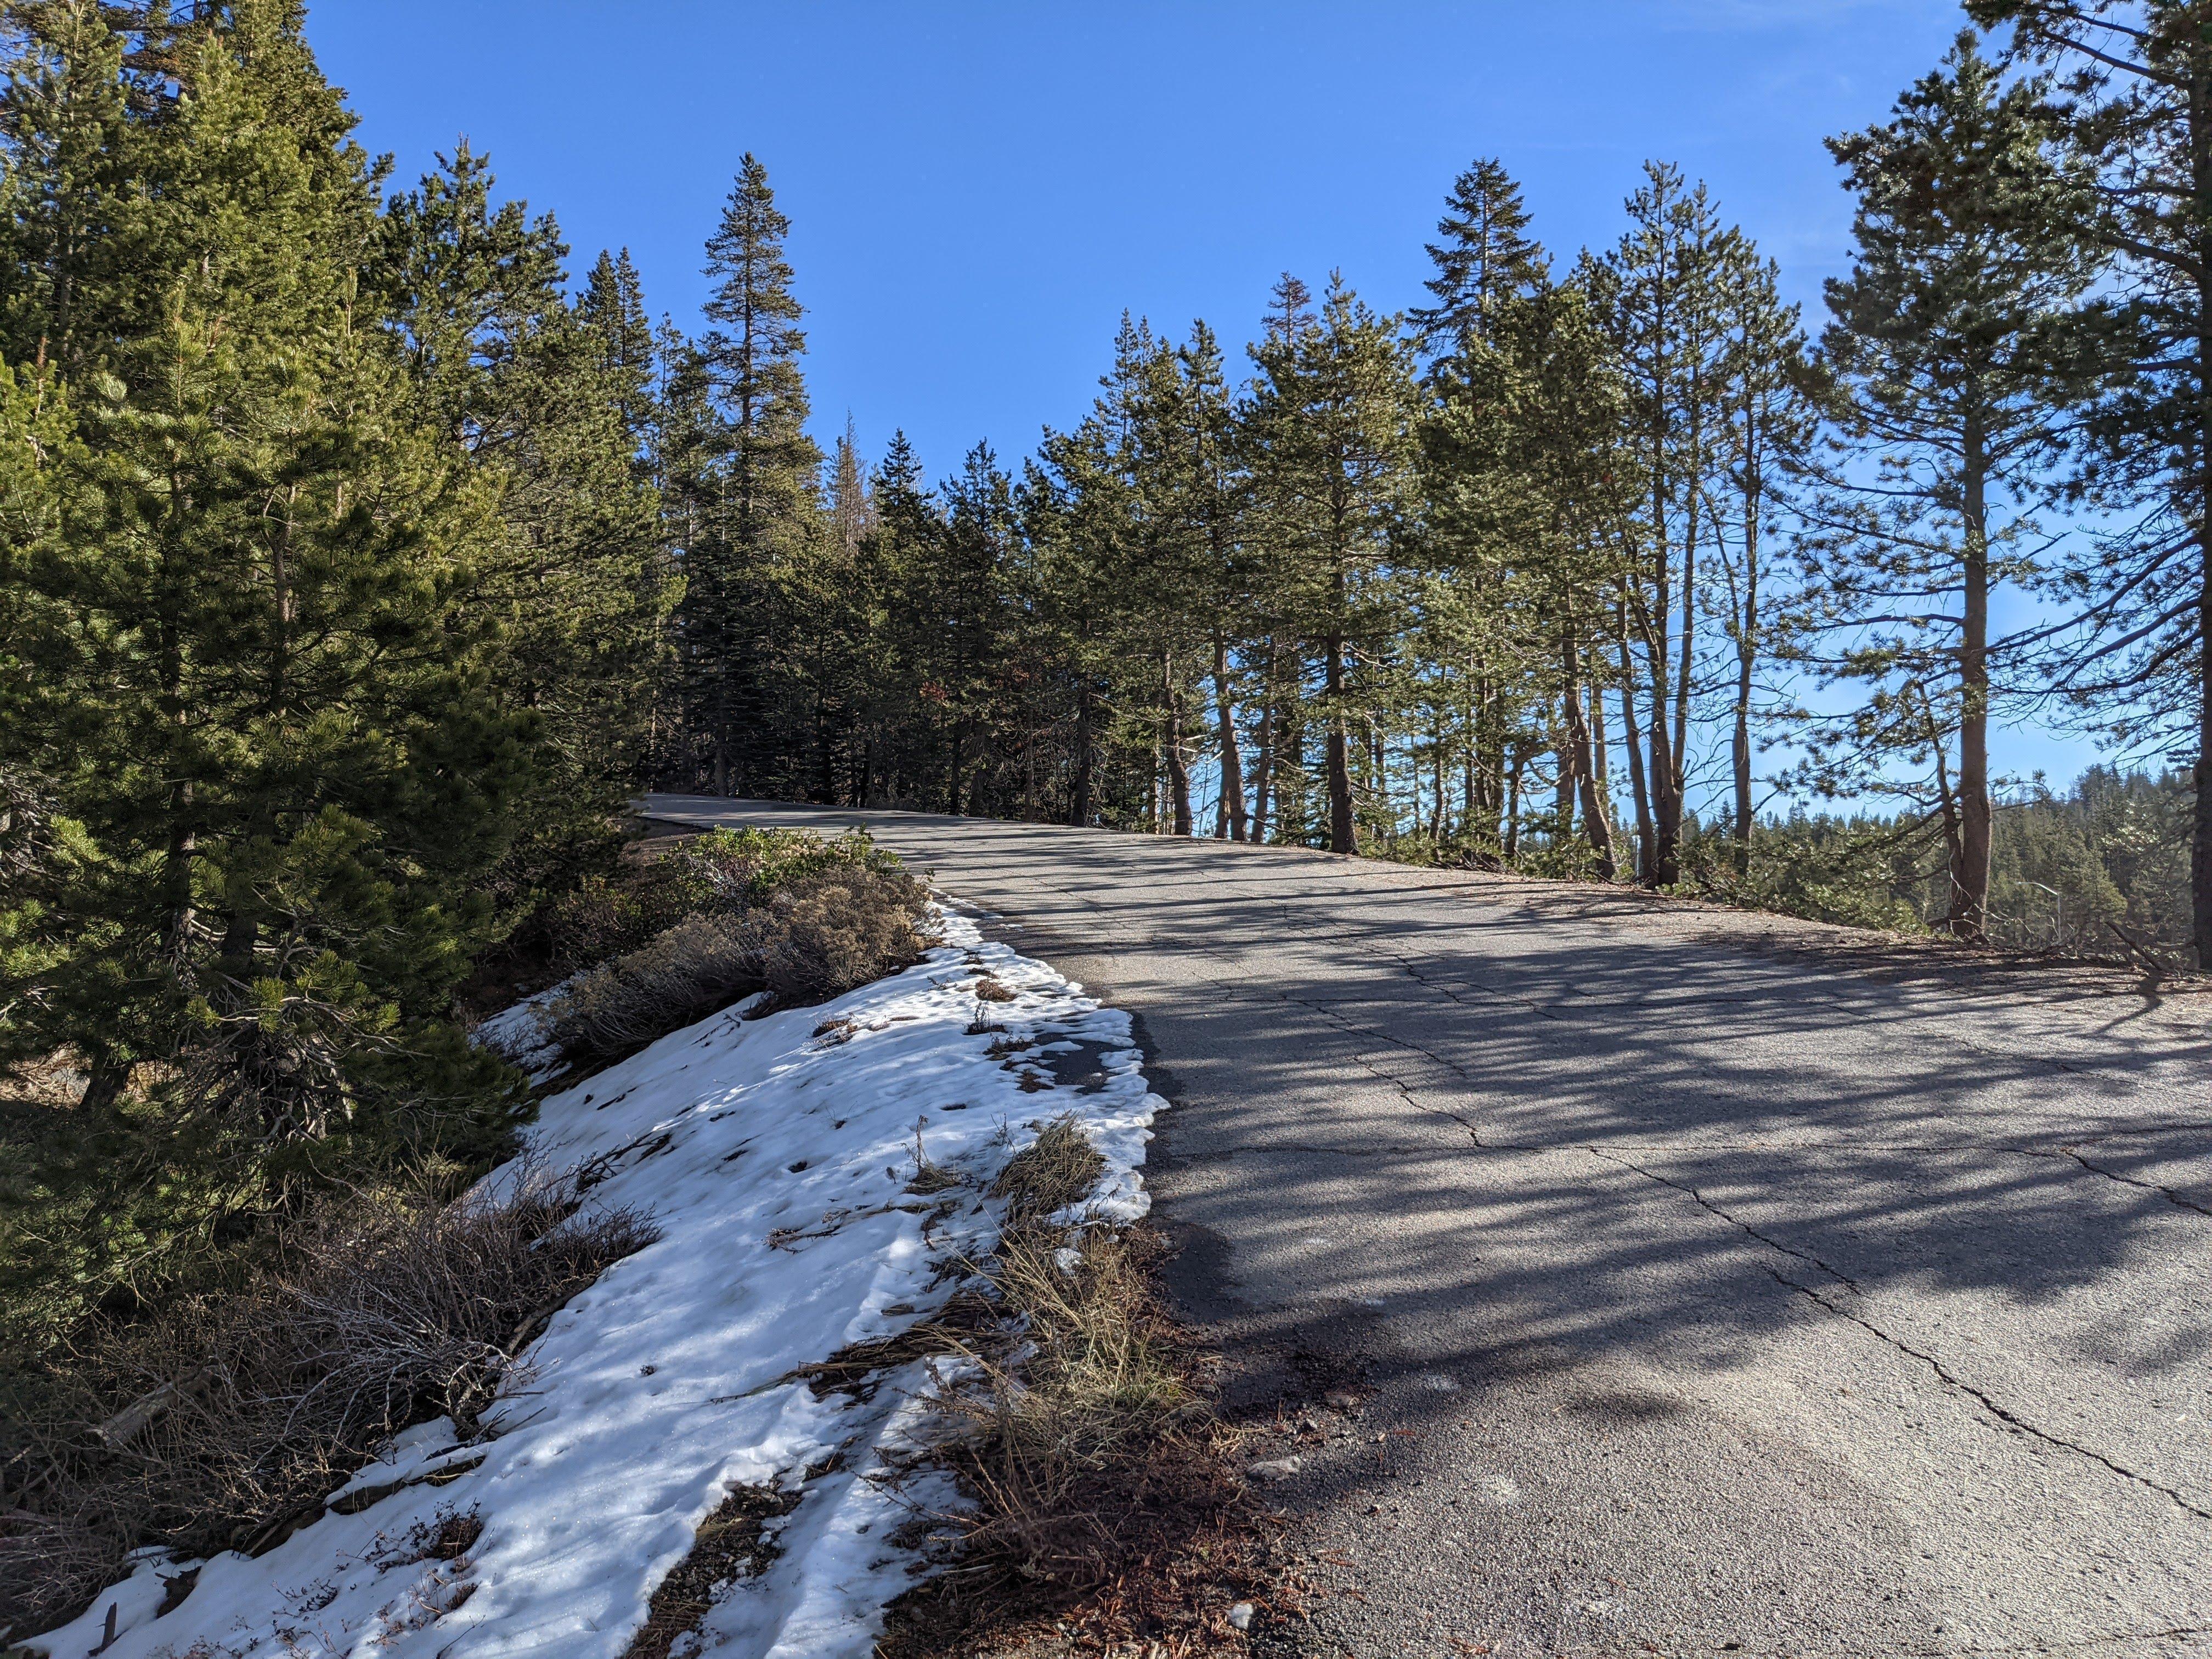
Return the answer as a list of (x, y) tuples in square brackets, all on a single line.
[(613, 306), (1483, 257), (758, 489), (2133, 99), (1524, 476), (1330, 430), (1955, 348), (1484, 264), (1771, 419), (851, 513), (1663, 291), (261, 688), (544, 398)]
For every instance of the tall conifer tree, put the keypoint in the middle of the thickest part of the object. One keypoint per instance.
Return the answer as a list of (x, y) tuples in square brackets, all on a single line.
[(1955, 347)]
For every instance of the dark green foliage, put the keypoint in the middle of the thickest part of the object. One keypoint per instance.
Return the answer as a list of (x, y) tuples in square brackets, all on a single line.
[(741, 472), (2100, 870), (330, 586)]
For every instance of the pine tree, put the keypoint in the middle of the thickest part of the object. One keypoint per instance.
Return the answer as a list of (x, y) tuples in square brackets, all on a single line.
[(852, 515), (548, 400), (1483, 257), (1771, 420), (1330, 429), (613, 306), (1525, 476), (1954, 347), (2132, 99), (1485, 263), (263, 702), (758, 489)]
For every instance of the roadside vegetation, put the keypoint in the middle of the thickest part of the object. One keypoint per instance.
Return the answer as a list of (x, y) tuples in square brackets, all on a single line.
[(1104, 1493), (282, 1307)]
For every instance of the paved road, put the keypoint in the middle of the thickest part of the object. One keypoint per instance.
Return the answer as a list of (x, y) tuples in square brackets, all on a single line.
[(1731, 1296)]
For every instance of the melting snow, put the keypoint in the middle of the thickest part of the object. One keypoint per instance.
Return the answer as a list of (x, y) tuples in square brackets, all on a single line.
[(775, 1163)]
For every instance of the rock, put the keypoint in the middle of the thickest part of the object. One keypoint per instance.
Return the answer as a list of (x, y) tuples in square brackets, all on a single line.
[(1273, 1468), (1241, 1615), (1341, 1400)]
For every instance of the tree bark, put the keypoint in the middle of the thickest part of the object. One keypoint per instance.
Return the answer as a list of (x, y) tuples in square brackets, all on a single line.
[(1078, 810), (1970, 877), (1746, 657), (1263, 759), (2199, 151), (1511, 839), (1578, 744), (1232, 758), (1178, 765), (1343, 833), (1437, 768), (1632, 737)]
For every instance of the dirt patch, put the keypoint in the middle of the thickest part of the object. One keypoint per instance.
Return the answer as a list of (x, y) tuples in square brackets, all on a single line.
[(737, 1541)]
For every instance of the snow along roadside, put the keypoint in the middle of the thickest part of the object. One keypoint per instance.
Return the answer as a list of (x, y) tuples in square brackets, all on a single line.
[(775, 1162)]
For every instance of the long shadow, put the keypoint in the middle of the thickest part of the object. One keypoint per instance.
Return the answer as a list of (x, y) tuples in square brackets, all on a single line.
[(1590, 1126)]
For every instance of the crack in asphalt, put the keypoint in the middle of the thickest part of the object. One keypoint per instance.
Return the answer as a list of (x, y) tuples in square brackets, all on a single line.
[(1384, 1073), (2181, 1200), (1703, 1203), (1369, 949), (2003, 1414)]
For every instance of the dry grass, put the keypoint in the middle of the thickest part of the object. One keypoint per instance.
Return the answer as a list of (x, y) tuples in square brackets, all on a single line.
[(224, 1419), (1104, 1494), (1056, 1170), (733, 1542), (930, 1177)]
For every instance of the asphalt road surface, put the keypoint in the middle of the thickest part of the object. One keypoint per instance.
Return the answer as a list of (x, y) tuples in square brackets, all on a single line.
[(1721, 1285)]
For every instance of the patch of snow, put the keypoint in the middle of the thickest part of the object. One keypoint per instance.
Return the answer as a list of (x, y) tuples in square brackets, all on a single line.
[(518, 1036), (775, 1164)]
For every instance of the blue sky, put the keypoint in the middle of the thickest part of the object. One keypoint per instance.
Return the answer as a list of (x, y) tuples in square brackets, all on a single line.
[(977, 190)]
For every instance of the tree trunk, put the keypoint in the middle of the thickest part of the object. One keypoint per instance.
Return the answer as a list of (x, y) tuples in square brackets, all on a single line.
[(1343, 833), (1746, 657), (1470, 754), (1633, 742), (1511, 839), (1578, 744), (1232, 758), (1263, 760), (1969, 878), (1078, 810), (1437, 768), (1178, 766), (2200, 859)]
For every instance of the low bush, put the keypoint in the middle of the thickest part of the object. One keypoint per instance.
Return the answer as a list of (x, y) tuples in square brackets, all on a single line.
[(813, 934), (720, 872), (223, 1418)]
